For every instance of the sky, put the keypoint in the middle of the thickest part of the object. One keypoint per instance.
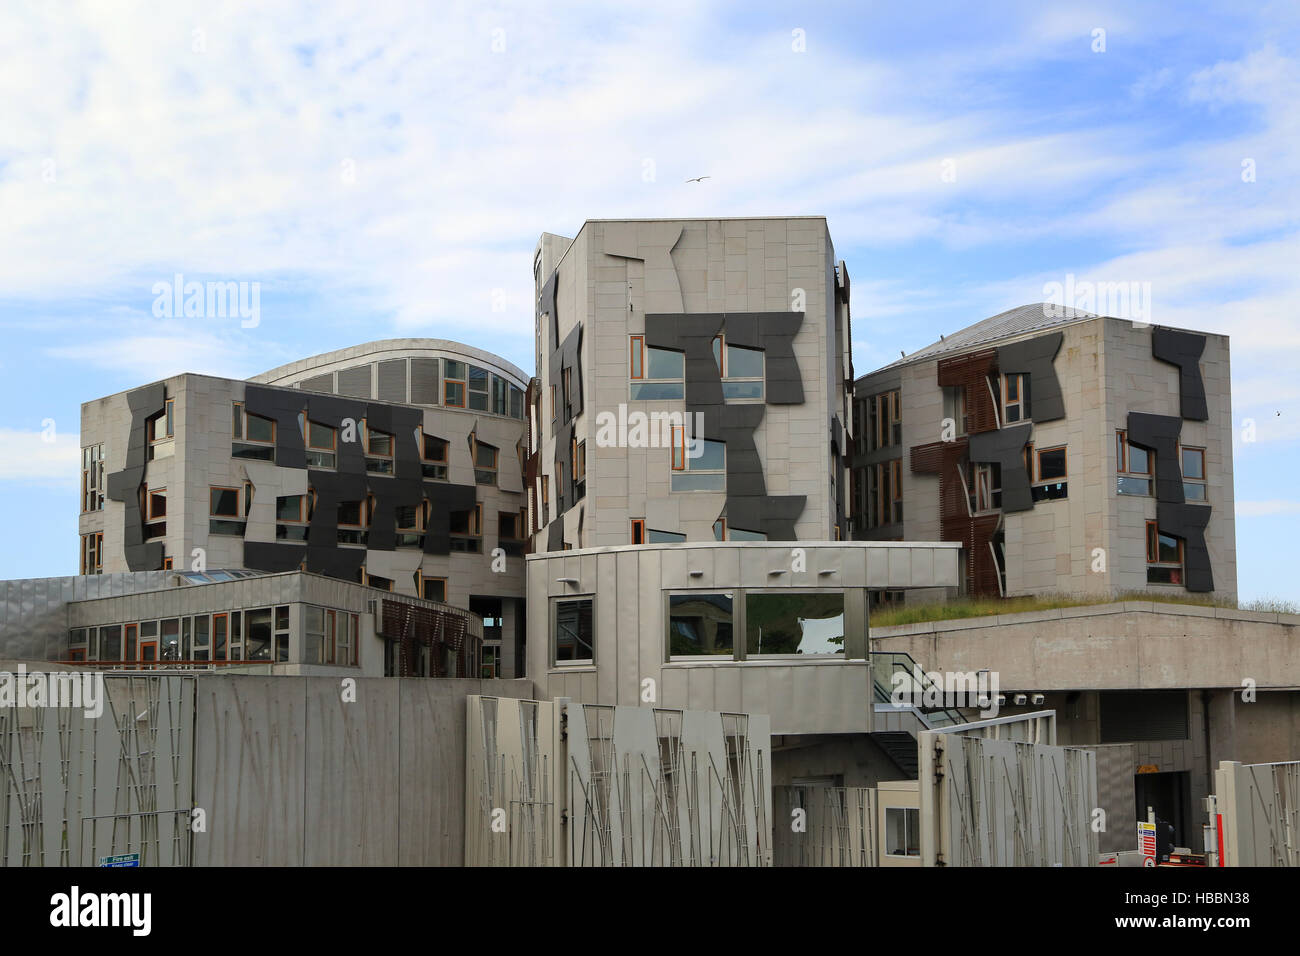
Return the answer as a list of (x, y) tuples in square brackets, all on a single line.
[(385, 170)]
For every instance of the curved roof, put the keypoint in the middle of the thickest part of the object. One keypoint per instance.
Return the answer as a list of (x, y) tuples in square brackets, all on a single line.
[(390, 348)]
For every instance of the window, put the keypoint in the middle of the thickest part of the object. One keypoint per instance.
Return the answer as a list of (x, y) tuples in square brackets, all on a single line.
[(253, 436), (884, 493), (92, 478), (375, 581), (638, 530), (566, 377), (902, 831), (155, 513), (794, 622), (656, 373), (321, 445), (546, 499), (433, 589), (352, 522), (1135, 466), (740, 534), (740, 369), (1193, 460), (434, 454), (720, 530), (163, 425), (453, 384), (485, 464), (579, 453), (223, 511), (707, 471), (663, 537), (884, 420), (985, 487), (259, 635), (1015, 398), (478, 388), (1048, 473), (467, 529), (1164, 557), (379, 451), (92, 553), (291, 518), (954, 407), (896, 488), (699, 624), (574, 640)]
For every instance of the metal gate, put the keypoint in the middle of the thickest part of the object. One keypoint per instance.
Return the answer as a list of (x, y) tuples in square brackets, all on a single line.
[(1258, 809)]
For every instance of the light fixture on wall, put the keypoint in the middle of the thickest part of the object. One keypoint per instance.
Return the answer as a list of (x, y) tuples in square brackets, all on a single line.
[(827, 571), (573, 581), (776, 571)]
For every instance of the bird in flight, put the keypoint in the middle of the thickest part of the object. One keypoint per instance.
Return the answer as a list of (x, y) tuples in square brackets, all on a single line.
[(699, 179)]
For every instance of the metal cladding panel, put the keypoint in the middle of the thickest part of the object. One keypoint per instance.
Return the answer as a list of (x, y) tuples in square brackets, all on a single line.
[(424, 382), (1160, 433), (1189, 521), (1035, 357), (352, 783), (124, 485), (1184, 349), (318, 383), (355, 382), (1006, 447), (392, 381)]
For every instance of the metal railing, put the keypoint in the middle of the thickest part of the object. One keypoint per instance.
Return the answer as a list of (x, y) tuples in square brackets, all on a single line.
[(885, 664)]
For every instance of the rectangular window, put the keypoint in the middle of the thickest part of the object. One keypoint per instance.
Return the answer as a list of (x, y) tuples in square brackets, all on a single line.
[(579, 453), (224, 514), (1135, 466), (434, 454), (902, 831), (566, 378), (155, 513), (636, 359), (1164, 557), (434, 589), (794, 622), (1048, 472), (1015, 398), (664, 375), (92, 553), (896, 488), (478, 388), (663, 537), (720, 530), (707, 471), (162, 426), (92, 478), (453, 385), (485, 464), (638, 530), (700, 624), (985, 487), (741, 369), (320, 445), (574, 639), (1193, 461)]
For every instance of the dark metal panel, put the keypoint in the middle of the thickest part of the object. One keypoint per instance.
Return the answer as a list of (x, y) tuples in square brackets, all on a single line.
[(319, 383), (1183, 349), (1036, 357), (124, 486), (424, 381), (392, 381), (355, 382), (1188, 521), (1160, 434), (1006, 447)]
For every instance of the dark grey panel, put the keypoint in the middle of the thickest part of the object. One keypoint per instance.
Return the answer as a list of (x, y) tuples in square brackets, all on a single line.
[(1184, 349), (284, 405), (320, 383), (424, 381), (124, 486), (1160, 434), (445, 498), (1036, 357), (355, 382), (734, 424), (1006, 447), (392, 381), (546, 306), (273, 555), (1188, 521), (555, 536), (567, 356)]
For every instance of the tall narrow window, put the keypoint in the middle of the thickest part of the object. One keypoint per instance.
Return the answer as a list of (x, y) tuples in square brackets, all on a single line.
[(638, 530), (574, 638), (92, 553), (636, 357), (1135, 466), (478, 388), (92, 478), (379, 451), (1015, 398), (434, 454), (453, 385), (485, 464), (1193, 461), (321, 445), (663, 375), (1164, 557)]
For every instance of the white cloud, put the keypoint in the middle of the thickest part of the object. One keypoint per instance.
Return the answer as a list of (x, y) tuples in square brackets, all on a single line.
[(30, 456), (1260, 509)]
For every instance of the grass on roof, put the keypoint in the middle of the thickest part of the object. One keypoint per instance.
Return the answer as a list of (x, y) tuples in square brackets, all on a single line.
[(984, 607)]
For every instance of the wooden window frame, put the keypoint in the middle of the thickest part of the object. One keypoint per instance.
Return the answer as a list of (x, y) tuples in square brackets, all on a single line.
[(638, 530), (464, 392), (238, 515), (677, 435), (636, 358), (723, 529), (334, 436), (149, 496), (1036, 475)]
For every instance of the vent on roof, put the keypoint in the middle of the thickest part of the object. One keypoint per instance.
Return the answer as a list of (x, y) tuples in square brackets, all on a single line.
[(355, 382)]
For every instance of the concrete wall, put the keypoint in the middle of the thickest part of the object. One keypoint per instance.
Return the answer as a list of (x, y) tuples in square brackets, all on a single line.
[(816, 695)]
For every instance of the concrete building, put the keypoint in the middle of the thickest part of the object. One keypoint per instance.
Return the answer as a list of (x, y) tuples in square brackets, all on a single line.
[(395, 464), (1066, 451)]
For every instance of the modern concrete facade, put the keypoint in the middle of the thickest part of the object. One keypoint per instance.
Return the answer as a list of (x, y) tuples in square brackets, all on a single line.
[(1068, 452), (732, 337), (395, 464)]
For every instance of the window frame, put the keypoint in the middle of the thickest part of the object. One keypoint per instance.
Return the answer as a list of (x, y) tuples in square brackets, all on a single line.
[(553, 638), (1201, 482), (1123, 466), (1153, 535), (647, 379), (735, 595), (1019, 403)]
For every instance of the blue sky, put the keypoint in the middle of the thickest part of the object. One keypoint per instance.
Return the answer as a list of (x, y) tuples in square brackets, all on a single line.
[(385, 169)]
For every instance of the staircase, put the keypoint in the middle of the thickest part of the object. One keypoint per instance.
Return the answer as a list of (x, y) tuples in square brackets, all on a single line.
[(900, 747)]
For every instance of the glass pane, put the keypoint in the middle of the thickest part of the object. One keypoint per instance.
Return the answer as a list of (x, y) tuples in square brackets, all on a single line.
[(259, 429), (635, 352), (381, 443), (225, 501), (320, 436), (1193, 491), (665, 363), (742, 389), (744, 363), (712, 455), (350, 512), (699, 624), (573, 630), (288, 508), (740, 534), (1193, 463), (455, 394), (1134, 486), (257, 642), (703, 481), (1013, 388), (478, 400), (485, 456), (1168, 549), (1139, 460), (478, 379), (453, 369), (653, 391), (794, 623), (1051, 464), (435, 449), (665, 537)]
